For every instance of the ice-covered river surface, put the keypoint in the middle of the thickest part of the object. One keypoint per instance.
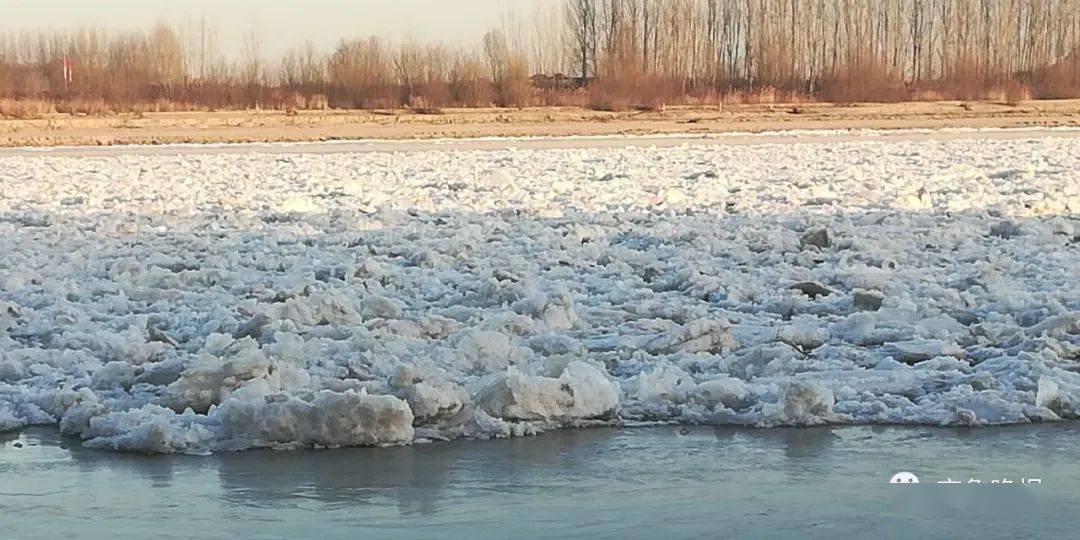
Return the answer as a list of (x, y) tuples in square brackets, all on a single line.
[(199, 303)]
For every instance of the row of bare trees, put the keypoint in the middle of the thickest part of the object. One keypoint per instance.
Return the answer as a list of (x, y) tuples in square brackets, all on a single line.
[(602, 53), (882, 48)]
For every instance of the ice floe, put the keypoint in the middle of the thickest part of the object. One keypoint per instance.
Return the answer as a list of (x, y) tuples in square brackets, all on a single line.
[(200, 303)]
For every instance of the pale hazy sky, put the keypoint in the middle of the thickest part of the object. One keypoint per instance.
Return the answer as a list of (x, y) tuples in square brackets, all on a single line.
[(281, 24)]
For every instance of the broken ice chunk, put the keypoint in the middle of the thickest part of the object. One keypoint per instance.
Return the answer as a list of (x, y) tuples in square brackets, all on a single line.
[(659, 391), (432, 402), (702, 335), (917, 350), (815, 237), (727, 391), (800, 403), (581, 391), (811, 289), (329, 419), (865, 300), (253, 328)]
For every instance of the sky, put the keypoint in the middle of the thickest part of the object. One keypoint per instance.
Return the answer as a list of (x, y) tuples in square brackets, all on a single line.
[(280, 24)]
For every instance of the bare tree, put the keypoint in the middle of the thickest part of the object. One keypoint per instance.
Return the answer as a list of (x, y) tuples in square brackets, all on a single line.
[(581, 21)]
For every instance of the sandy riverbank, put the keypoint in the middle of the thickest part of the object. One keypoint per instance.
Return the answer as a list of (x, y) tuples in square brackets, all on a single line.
[(307, 126)]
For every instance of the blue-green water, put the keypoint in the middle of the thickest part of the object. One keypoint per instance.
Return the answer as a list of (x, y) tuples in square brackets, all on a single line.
[(599, 483)]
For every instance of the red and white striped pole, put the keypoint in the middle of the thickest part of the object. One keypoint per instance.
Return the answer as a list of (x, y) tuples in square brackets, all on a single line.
[(67, 72)]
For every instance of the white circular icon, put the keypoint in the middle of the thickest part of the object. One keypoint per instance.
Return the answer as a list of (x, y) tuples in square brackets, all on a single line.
[(904, 477)]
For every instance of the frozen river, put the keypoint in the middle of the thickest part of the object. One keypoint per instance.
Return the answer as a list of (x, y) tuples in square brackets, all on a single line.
[(809, 319), (201, 302), (553, 143)]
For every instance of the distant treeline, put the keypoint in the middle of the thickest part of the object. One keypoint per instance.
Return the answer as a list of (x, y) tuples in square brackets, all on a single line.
[(606, 54)]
